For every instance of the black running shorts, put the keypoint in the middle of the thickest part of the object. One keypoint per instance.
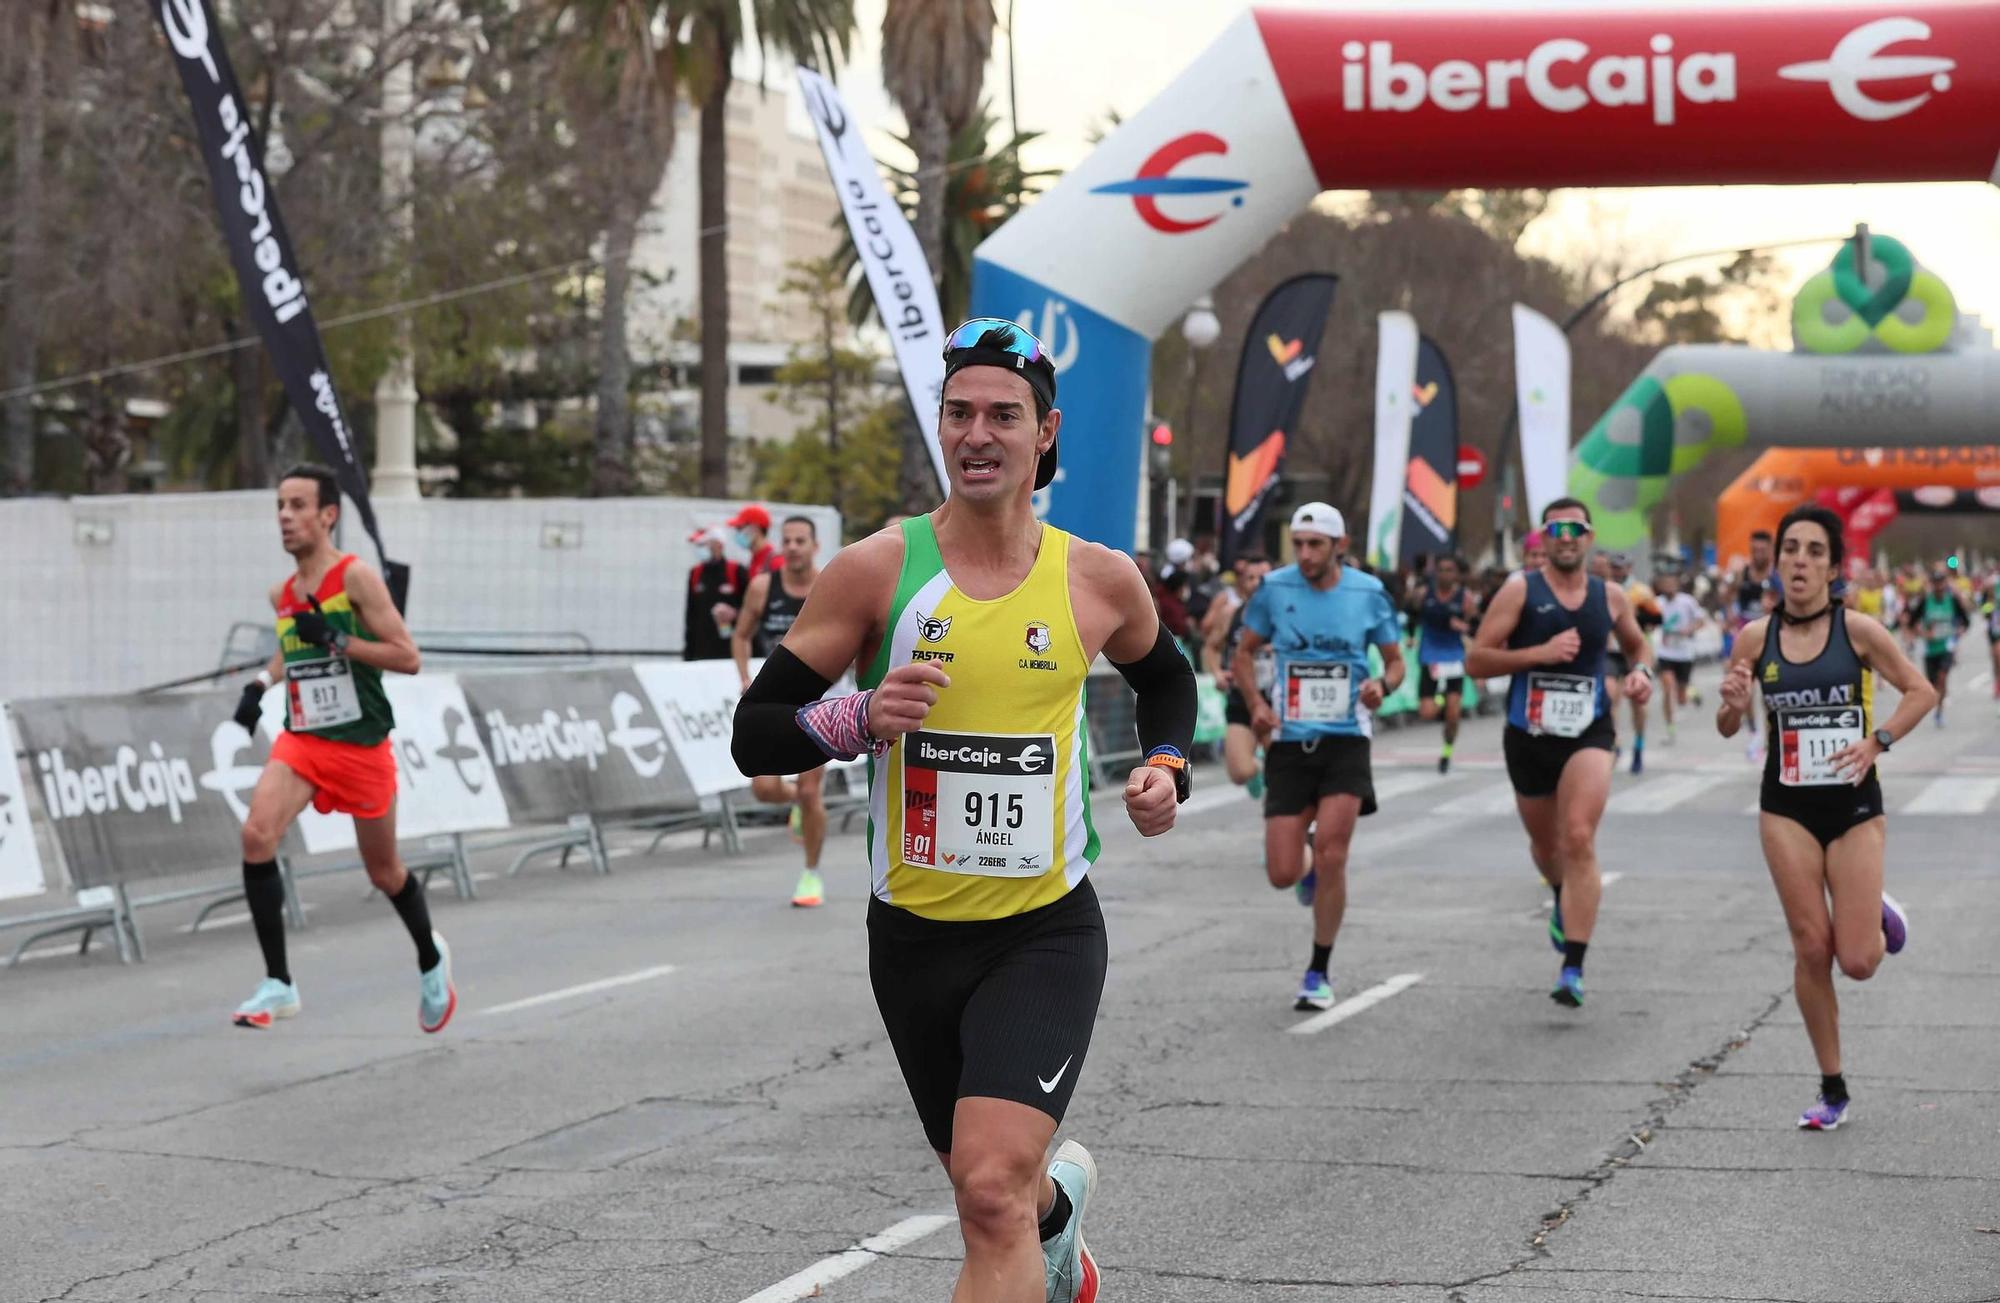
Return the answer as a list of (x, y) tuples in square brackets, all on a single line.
[(1684, 670), (1428, 686), (1298, 774), (1235, 710), (993, 1008), (1828, 813), (1535, 760), (1936, 663)]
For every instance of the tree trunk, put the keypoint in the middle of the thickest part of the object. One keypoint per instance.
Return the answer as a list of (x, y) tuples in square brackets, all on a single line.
[(714, 186), (23, 321), (253, 437), (916, 479), (611, 452)]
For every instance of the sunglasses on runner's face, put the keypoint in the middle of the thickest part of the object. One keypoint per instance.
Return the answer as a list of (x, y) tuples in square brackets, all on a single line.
[(972, 335), (1566, 530)]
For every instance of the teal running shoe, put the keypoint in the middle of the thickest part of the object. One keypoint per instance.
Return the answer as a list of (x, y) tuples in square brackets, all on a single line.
[(1556, 925), (270, 1001), (437, 998), (1255, 786), (1569, 988), (1307, 887), (1315, 992), (1069, 1270)]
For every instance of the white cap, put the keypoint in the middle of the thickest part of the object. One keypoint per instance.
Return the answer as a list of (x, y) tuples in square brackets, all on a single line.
[(1319, 518), (1179, 552)]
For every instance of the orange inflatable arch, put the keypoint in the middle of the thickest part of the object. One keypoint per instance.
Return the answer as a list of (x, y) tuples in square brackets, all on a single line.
[(1782, 478)]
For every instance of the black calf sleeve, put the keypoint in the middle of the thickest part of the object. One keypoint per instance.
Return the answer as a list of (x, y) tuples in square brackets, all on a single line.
[(264, 893)]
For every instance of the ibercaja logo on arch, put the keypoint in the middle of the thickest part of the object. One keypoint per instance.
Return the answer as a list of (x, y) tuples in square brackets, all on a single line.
[(1876, 72)]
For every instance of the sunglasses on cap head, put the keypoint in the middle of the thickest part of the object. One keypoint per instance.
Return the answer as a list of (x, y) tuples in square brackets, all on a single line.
[(1014, 340), (1566, 530)]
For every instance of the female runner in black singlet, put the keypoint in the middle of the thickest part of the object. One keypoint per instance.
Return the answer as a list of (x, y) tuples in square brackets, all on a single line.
[(1820, 811)]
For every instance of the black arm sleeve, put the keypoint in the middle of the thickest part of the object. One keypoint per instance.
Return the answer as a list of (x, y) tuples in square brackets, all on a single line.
[(1164, 681), (767, 737)]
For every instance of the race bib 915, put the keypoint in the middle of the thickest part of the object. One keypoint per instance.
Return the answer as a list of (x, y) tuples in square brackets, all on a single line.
[(321, 694), (1808, 740), (979, 803), (1561, 705)]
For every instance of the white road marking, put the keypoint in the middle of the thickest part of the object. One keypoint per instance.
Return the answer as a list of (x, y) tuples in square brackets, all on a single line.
[(1202, 802), (807, 1283), (1658, 795), (1981, 679), (1395, 785), (1954, 796), (1347, 1008), (1496, 798), (1604, 882), (587, 988)]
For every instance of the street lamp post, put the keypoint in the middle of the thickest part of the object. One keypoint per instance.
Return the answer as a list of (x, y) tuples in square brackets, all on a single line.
[(1200, 328), (396, 393)]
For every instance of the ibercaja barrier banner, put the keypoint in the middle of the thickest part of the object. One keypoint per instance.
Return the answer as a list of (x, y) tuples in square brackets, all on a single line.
[(576, 741), (1430, 484), (267, 270), (1279, 352), (141, 787)]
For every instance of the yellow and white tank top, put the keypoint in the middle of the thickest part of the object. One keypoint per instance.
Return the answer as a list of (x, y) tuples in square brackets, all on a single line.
[(984, 812)]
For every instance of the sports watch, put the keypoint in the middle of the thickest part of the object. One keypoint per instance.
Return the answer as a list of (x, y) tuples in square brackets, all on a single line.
[(1884, 738), (1170, 759)]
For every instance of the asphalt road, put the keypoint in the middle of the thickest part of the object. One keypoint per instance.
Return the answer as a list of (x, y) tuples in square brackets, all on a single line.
[(728, 1118)]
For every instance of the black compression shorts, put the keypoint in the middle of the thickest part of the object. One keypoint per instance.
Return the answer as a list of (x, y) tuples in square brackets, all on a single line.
[(1429, 686), (993, 1008), (1535, 760), (1235, 710), (1828, 813), (1298, 774)]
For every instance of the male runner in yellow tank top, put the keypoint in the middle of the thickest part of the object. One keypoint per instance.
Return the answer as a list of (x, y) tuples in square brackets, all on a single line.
[(974, 627)]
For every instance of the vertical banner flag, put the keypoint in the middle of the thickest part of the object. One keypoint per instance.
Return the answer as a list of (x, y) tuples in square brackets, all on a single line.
[(267, 270), (20, 862), (1395, 408), (899, 278), (1278, 357), (1430, 488), (1541, 387)]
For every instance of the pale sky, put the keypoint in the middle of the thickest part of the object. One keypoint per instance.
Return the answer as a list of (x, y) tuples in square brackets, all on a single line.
[(1078, 58)]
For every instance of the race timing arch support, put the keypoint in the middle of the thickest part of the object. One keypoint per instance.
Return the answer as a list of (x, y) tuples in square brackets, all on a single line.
[(1883, 371), (1288, 103), (1783, 478)]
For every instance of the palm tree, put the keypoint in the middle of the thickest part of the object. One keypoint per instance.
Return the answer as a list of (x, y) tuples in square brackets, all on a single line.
[(813, 32), (933, 63), (621, 78)]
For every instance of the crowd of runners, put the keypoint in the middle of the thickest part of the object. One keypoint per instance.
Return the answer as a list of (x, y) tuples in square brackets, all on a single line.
[(949, 653)]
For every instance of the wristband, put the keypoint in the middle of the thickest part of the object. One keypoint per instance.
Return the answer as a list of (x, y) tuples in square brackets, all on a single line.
[(1170, 759), (1645, 669), (839, 726), (263, 678)]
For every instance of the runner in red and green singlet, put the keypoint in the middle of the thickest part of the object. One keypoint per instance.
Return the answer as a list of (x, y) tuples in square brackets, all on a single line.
[(338, 630)]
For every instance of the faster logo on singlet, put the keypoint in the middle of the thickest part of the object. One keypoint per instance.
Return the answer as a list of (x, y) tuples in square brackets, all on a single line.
[(321, 694), (979, 803), (1808, 740)]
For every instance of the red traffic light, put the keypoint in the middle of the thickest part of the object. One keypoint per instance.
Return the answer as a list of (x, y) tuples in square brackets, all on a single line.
[(1163, 435)]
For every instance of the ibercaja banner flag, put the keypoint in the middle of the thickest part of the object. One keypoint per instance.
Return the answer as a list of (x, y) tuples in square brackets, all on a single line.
[(1278, 357), (1430, 485), (267, 271)]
